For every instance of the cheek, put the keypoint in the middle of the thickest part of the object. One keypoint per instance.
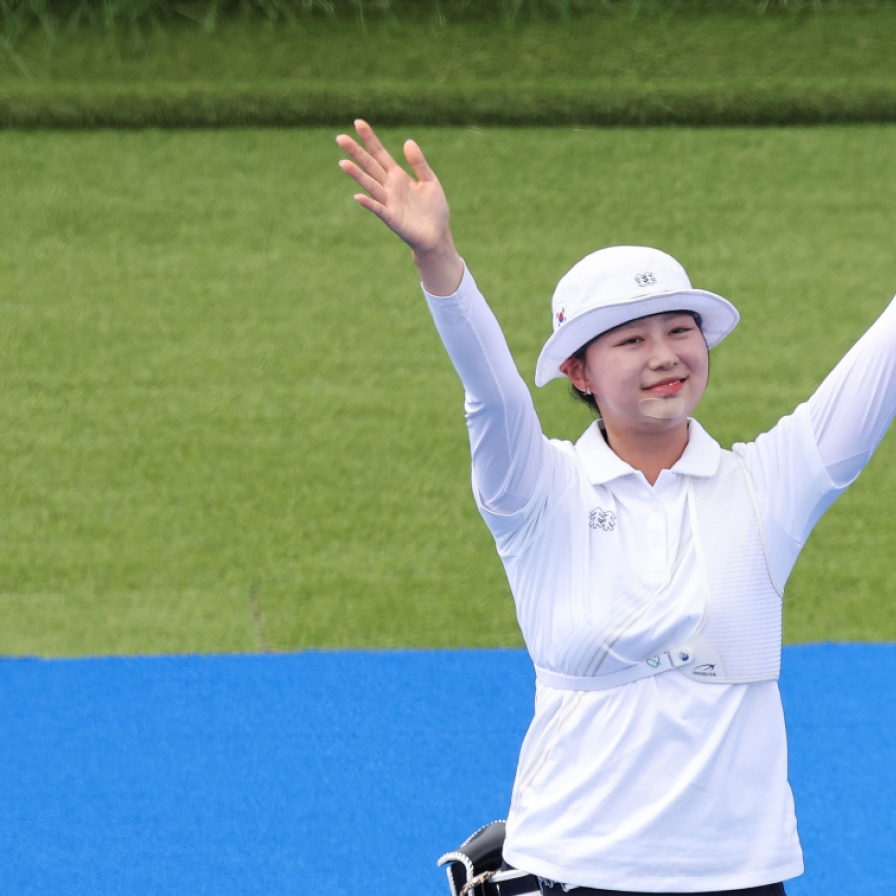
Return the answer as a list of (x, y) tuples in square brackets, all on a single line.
[(612, 383), (703, 360), (700, 369)]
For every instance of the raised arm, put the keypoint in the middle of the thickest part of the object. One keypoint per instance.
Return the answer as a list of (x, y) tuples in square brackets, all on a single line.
[(505, 435), (854, 406)]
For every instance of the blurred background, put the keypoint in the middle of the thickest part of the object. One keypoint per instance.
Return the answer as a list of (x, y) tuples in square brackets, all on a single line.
[(227, 422)]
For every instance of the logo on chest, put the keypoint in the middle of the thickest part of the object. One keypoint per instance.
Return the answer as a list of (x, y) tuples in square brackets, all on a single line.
[(602, 519)]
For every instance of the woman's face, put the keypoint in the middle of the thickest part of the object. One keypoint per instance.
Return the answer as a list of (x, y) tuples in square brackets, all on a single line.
[(647, 373)]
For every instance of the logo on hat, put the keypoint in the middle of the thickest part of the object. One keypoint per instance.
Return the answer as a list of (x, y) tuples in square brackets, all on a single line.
[(561, 315), (646, 279)]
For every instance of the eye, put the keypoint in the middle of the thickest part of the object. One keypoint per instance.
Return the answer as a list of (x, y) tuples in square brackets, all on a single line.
[(630, 340)]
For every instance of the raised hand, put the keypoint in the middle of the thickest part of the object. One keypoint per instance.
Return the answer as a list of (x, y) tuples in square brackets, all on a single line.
[(415, 210)]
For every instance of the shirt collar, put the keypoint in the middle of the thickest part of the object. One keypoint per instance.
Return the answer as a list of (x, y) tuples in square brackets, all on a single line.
[(701, 455)]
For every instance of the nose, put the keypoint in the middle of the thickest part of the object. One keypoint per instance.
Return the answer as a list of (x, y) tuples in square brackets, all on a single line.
[(663, 355)]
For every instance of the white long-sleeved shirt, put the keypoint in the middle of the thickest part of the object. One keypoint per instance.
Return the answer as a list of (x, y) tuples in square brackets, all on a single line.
[(664, 784)]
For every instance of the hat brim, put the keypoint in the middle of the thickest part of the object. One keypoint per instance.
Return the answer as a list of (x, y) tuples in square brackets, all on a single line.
[(719, 318)]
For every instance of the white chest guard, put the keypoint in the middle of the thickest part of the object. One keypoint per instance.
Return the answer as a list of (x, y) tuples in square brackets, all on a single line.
[(739, 637)]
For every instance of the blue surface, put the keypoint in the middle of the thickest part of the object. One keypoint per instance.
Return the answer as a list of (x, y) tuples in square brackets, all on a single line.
[(352, 772)]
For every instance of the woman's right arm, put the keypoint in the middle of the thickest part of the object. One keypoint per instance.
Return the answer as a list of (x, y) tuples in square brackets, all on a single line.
[(505, 435)]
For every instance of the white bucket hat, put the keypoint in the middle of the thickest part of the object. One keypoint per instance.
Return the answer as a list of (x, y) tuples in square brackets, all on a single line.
[(616, 285)]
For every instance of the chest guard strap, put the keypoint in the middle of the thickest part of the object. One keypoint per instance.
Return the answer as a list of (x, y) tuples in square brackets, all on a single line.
[(739, 637)]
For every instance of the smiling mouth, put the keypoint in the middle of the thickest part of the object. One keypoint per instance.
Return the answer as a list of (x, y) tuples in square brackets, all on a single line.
[(670, 387)]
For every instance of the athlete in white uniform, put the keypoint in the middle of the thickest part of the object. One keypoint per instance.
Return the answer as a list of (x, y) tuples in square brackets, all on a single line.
[(646, 563)]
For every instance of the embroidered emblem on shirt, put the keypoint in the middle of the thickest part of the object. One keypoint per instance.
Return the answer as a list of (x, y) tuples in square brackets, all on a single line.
[(645, 279), (602, 519)]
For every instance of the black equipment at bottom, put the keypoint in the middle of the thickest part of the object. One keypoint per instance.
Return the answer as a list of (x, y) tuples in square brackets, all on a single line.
[(474, 868)]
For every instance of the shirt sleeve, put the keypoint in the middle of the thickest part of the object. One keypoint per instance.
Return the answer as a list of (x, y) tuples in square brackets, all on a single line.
[(855, 404), (809, 457), (505, 434), (793, 487)]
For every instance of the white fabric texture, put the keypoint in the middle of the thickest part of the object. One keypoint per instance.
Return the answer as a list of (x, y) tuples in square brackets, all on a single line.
[(743, 619), (665, 784)]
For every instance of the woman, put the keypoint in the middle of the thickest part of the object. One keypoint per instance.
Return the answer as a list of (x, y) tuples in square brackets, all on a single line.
[(646, 563)]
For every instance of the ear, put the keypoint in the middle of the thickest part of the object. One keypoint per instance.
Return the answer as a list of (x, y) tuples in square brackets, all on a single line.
[(574, 368)]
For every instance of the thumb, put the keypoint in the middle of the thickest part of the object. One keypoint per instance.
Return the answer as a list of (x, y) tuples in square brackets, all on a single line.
[(417, 161)]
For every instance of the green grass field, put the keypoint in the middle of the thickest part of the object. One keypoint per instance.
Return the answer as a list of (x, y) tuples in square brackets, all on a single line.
[(227, 421), (631, 43), (632, 61)]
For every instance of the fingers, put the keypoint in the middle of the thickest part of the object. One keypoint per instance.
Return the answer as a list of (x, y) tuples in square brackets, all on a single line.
[(417, 161), (374, 158), (374, 147), (365, 181), (370, 204), (363, 158)]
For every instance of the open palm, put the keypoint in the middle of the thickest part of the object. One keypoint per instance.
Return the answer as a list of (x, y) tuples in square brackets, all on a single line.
[(416, 210)]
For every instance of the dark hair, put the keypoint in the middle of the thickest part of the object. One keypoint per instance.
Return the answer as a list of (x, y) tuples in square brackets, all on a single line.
[(586, 397)]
